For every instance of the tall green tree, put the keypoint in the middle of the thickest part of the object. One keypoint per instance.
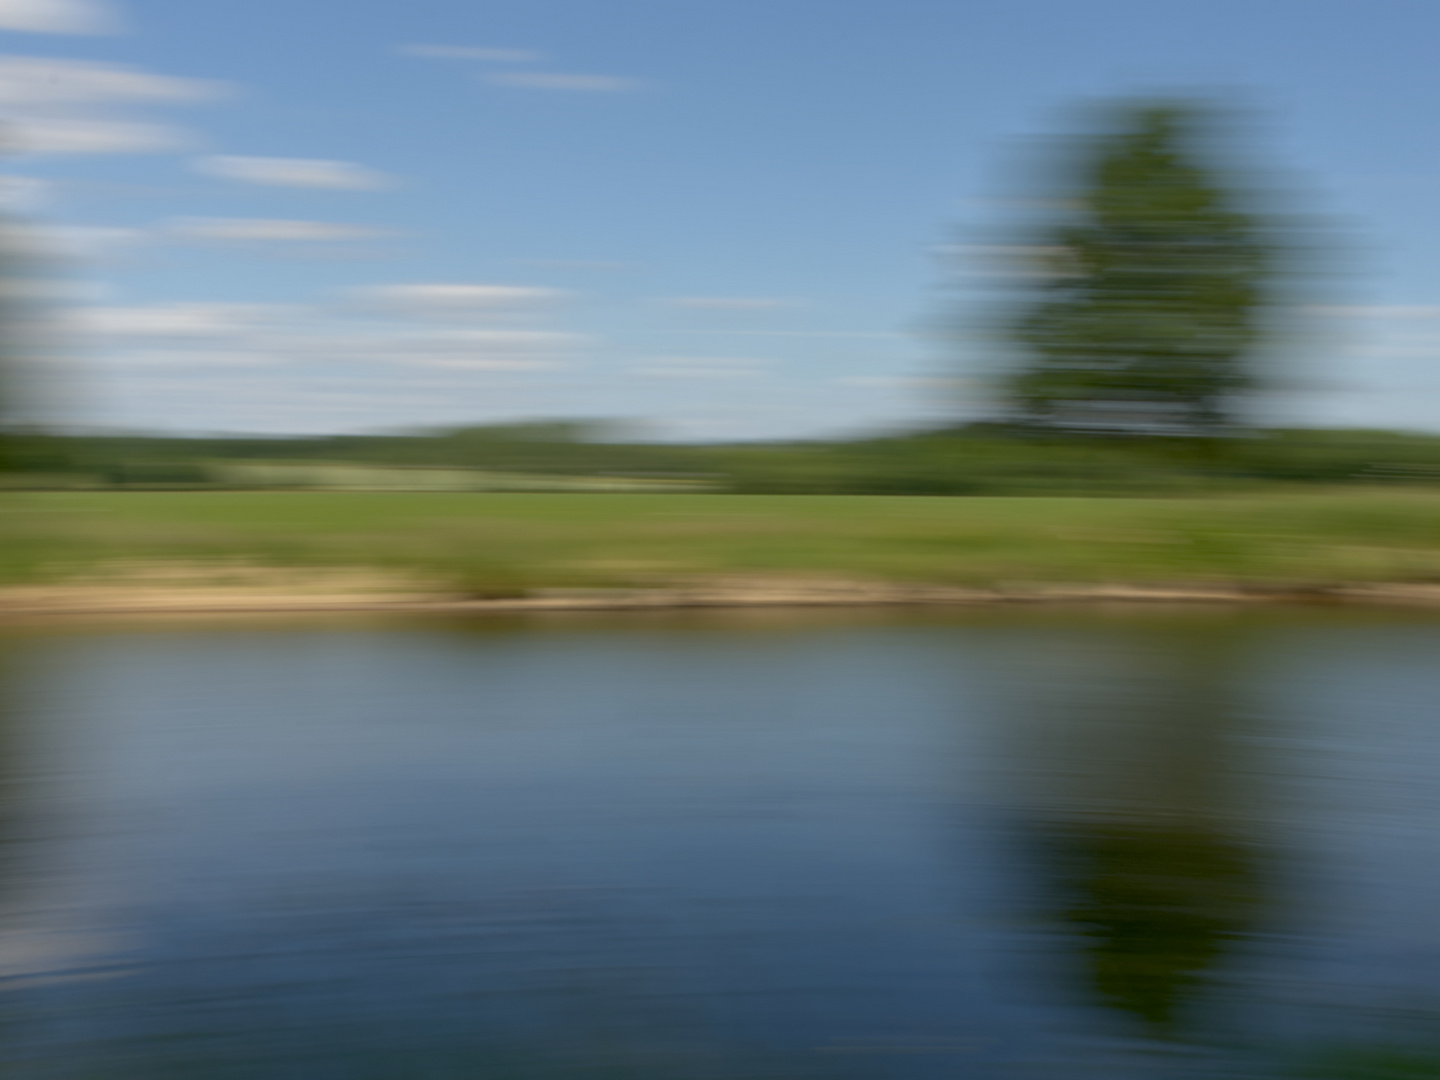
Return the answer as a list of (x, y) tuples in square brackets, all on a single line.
[(1152, 285)]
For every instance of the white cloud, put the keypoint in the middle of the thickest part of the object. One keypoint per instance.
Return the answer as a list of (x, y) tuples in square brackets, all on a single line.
[(269, 230), (727, 303), (48, 291), (19, 194), (1379, 311), (901, 381), (307, 364), (59, 16), (1399, 351), (62, 135), (990, 251), (554, 80), (486, 350), (41, 81), (701, 367), (880, 334), (577, 264), (456, 300), (76, 243), (67, 243), (303, 334), (294, 172), (198, 359), (1005, 262), (160, 321), (469, 52), (50, 106)]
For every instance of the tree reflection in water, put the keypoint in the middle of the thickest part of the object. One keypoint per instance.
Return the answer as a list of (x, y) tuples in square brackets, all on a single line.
[(15, 777), (1128, 763), (1157, 906)]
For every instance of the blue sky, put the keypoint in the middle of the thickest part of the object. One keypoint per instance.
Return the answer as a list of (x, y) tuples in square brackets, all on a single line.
[(727, 218)]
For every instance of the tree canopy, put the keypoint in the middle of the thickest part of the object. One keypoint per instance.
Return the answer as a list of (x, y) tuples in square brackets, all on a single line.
[(1151, 286)]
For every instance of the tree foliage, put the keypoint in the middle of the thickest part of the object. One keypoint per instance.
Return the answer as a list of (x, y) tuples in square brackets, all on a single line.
[(1151, 286)]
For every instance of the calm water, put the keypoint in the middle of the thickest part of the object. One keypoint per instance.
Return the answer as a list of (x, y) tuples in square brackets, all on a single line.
[(996, 844)]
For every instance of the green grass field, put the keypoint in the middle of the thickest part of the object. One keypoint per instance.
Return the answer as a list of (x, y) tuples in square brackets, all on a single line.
[(505, 544)]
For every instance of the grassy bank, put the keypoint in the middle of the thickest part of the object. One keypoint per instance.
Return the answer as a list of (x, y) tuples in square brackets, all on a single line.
[(508, 544)]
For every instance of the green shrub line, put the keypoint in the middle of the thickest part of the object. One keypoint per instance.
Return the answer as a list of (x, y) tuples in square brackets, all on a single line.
[(974, 460)]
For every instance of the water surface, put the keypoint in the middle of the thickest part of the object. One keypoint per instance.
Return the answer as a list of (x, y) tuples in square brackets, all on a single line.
[(873, 845)]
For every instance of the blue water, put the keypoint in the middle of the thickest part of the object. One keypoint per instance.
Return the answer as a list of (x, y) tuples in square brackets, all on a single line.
[(991, 844)]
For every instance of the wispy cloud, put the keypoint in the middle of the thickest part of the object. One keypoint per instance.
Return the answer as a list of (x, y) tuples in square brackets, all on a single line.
[(59, 16), (900, 382), (701, 367), (309, 339), (189, 360), (42, 82), (473, 52), (271, 231), (577, 264), (50, 106), (294, 172), (555, 80), (878, 334), (727, 303), (1379, 311), (526, 80), (43, 243), (71, 136), (168, 321), (1003, 262), (452, 301), (19, 194), (1399, 351), (89, 243), (484, 350)]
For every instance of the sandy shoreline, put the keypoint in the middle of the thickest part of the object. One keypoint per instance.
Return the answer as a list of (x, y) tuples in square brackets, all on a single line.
[(126, 599)]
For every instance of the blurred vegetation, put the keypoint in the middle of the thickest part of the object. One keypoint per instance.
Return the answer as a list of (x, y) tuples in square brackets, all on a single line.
[(1148, 281), (978, 459)]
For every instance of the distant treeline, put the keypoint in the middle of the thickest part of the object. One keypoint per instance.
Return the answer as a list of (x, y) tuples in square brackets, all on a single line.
[(970, 460)]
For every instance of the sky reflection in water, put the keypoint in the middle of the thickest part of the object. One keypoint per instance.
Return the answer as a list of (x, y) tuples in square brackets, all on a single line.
[(991, 845)]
